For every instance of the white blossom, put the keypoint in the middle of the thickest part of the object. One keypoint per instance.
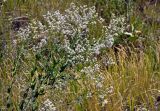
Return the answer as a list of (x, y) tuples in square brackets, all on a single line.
[(48, 106), (104, 102)]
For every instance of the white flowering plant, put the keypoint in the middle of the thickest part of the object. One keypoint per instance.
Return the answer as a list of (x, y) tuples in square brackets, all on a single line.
[(78, 33), (73, 38)]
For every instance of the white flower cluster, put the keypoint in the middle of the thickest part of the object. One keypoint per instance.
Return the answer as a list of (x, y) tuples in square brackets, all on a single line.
[(24, 33), (70, 30), (75, 20), (91, 69), (117, 25), (48, 106)]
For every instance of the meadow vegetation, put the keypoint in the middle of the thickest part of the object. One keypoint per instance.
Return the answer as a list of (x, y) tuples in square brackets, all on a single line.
[(79, 55)]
